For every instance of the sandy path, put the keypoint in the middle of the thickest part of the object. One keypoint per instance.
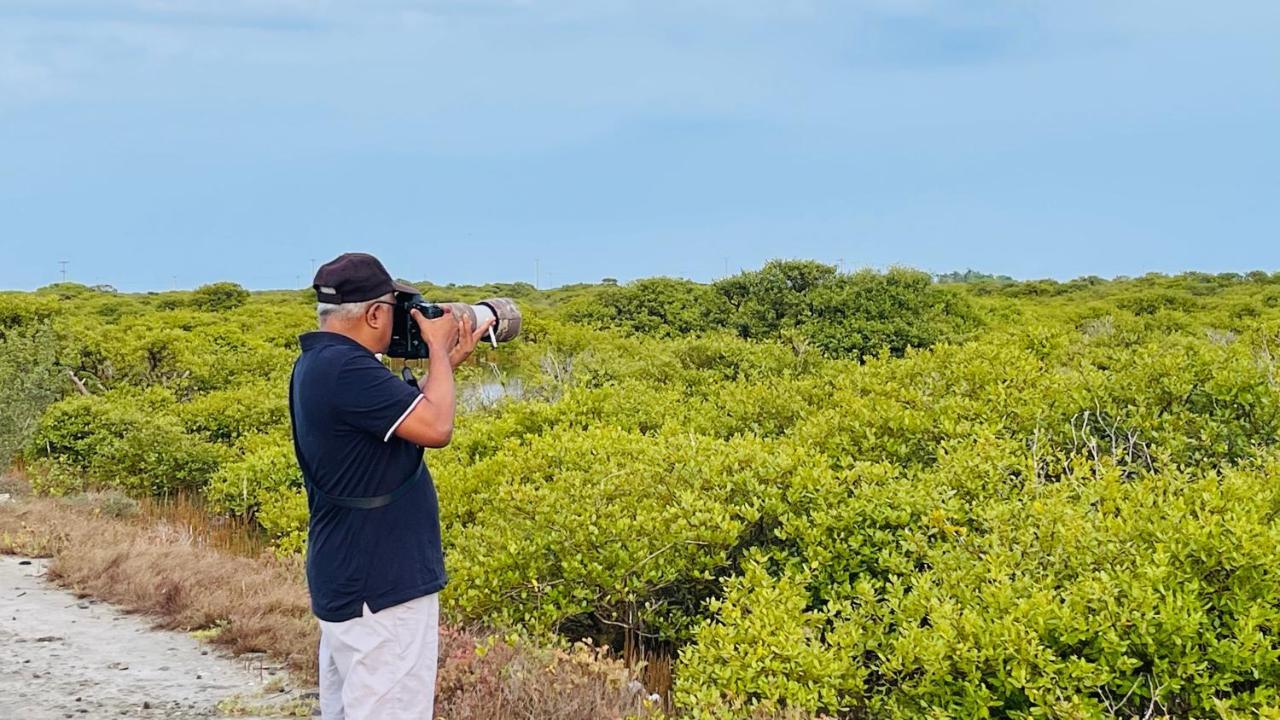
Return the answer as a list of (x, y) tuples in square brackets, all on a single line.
[(61, 657)]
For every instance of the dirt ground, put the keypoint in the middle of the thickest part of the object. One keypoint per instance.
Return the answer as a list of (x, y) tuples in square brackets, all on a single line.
[(64, 657)]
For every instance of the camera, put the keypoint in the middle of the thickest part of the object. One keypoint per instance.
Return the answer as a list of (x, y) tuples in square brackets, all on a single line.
[(406, 338)]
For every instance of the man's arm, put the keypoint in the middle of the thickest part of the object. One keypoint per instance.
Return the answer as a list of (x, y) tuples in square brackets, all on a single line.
[(430, 424)]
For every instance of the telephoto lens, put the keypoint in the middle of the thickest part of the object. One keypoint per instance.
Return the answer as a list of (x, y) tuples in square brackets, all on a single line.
[(503, 310), (406, 339)]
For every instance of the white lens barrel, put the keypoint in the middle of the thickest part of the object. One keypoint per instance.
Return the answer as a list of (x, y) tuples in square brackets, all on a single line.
[(502, 310), (483, 314)]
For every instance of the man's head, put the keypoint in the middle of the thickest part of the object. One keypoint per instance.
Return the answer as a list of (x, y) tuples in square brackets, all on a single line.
[(355, 297)]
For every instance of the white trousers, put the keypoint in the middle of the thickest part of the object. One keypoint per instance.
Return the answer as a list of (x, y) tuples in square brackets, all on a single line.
[(381, 666)]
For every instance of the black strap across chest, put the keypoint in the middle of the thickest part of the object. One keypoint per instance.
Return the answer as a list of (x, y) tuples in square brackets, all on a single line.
[(351, 503)]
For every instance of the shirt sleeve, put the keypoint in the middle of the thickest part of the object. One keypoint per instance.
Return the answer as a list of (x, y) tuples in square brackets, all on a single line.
[(371, 399)]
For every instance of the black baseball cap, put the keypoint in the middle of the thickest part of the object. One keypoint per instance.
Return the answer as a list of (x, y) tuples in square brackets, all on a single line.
[(355, 277)]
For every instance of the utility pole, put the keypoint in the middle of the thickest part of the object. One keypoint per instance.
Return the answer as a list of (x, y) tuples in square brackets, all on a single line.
[(313, 267), (726, 266), (173, 282), (63, 263), (537, 274), (840, 265)]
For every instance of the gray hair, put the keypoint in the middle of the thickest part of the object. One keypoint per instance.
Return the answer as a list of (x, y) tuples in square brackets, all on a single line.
[(343, 312)]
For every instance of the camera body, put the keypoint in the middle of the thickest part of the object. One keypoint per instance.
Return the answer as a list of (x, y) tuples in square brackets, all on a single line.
[(406, 338)]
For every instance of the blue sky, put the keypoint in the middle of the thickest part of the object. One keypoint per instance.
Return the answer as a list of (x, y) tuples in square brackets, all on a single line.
[(154, 143)]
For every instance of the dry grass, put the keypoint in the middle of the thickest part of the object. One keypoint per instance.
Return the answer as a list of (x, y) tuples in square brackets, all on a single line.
[(481, 678), (191, 573), (238, 536), (160, 568)]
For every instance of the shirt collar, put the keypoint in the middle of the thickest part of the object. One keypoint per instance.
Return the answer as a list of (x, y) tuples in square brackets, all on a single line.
[(324, 338)]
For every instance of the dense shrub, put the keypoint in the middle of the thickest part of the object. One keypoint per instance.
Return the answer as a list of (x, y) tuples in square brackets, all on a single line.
[(227, 415), (123, 441), (764, 302), (599, 532), (802, 302), (663, 307), (264, 482), (1066, 599), (19, 311), (29, 381), (863, 314), (219, 296), (844, 315), (766, 651), (265, 468)]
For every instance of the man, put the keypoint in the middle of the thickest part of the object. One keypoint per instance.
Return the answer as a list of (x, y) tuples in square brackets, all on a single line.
[(374, 560)]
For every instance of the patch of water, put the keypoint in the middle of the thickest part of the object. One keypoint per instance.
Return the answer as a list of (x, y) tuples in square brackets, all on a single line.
[(481, 395)]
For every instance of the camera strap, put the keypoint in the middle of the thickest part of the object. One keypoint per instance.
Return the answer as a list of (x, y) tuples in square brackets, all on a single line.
[(351, 503)]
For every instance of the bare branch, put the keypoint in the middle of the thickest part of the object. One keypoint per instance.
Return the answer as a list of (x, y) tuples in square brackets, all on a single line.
[(79, 384)]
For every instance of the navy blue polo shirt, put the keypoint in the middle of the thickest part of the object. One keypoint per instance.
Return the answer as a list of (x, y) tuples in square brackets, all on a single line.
[(346, 406)]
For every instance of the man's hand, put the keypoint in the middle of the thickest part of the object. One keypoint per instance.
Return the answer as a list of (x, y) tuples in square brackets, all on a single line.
[(441, 334), (430, 423), (467, 339)]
